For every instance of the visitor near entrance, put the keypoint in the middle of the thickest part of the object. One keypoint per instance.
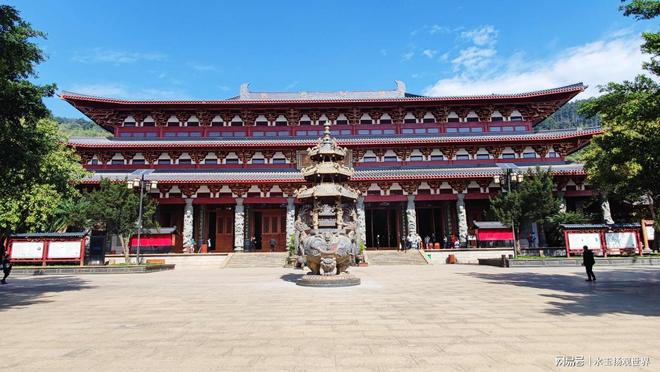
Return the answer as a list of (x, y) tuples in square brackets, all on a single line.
[(6, 268), (588, 262)]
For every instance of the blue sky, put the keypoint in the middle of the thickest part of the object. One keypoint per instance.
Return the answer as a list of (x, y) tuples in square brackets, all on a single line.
[(206, 49)]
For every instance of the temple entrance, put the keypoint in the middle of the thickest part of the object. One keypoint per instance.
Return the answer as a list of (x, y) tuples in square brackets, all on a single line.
[(383, 229), (268, 229), (430, 224), (221, 227)]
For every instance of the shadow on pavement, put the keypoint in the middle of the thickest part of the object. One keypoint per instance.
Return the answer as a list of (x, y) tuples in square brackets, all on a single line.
[(291, 277), (26, 291), (633, 291)]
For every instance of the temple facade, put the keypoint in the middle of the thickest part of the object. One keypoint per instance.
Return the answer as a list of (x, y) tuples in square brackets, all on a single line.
[(226, 170)]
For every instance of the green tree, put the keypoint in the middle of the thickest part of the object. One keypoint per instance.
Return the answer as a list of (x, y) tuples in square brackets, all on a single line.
[(37, 170), (625, 159), (531, 200), (555, 236), (115, 208)]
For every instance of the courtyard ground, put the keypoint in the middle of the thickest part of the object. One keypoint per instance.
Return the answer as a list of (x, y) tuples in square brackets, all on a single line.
[(436, 318)]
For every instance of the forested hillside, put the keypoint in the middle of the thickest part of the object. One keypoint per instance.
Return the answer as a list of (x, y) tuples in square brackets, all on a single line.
[(80, 128), (568, 117)]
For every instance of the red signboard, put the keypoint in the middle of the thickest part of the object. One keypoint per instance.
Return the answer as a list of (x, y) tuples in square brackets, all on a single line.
[(163, 240), (494, 234)]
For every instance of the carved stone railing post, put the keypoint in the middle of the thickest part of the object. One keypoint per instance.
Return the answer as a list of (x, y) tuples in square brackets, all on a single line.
[(290, 218), (188, 226), (411, 219), (462, 219), (239, 225), (361, 220)]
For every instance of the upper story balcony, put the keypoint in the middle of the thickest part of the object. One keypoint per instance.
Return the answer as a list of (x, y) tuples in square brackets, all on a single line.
[(314, 131)]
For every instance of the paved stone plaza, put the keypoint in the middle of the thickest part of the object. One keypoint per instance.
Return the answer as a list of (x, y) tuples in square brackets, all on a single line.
[(436, 318)]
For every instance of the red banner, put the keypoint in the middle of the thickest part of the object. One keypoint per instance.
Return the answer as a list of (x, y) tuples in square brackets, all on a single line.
[(153, 241), (494, 234)]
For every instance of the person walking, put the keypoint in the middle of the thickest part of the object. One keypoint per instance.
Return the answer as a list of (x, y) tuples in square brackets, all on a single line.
[(6, 268), (427, 240), (588, 262)]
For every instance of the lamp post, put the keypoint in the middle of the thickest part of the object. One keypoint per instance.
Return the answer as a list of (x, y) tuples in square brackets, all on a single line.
[(511, 174), (139, 181)]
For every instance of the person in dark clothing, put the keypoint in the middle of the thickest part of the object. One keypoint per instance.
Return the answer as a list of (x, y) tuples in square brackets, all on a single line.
[(588, 262), (6, 268)]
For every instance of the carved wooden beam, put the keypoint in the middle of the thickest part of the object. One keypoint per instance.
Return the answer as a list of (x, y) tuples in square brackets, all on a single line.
[(495, 151), (448, 152), (239, 189), (542, 150), (397, 115), (265, 188), (174, 155), (354, 116), (384, 186), (214, 189), (458, 185), (188, 190), (409, 186), (197, 156)]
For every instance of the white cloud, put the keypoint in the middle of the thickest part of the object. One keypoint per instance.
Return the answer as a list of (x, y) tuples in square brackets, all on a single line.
[(407, 56), (201, 67), (484, 35), (104, 55), (473, 58), (434, 29), (595, 63), (429, 53), (115, 90), (383, 52)]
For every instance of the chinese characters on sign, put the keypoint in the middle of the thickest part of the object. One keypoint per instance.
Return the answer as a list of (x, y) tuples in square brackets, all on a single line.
[(581, 361)]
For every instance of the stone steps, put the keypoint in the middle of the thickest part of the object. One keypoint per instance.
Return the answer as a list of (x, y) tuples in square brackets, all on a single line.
[(409, 257), (247, 260)]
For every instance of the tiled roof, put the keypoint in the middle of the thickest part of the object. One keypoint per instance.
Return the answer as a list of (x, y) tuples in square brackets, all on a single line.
[(291, 175), (91, 142), (325, 98), (246, 95)]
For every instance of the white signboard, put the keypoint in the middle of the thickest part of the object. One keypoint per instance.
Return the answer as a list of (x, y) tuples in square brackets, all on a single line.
[(27, 250), (64, 250), (650, 232), (578, 240), (621, 240)]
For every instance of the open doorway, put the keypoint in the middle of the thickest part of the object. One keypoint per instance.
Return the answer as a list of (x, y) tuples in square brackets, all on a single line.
[(382, 228)]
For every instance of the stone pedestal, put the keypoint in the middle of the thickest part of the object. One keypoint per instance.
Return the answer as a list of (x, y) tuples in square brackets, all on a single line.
[(239, 225), (188, 226), (340, 280), (361, 221), (462, 219)]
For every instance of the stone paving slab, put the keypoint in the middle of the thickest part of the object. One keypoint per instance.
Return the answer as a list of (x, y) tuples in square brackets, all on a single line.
[(401, 318)]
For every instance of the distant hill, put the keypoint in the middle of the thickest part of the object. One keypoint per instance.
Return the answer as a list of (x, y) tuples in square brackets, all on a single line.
[(567, 117), (80, 128)]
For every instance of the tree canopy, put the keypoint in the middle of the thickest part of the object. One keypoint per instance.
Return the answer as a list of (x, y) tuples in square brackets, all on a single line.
[(115, 209), (624, 160), (37, 169)]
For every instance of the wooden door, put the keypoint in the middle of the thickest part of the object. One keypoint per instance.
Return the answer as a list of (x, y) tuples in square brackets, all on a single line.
[(224, 235), (273, 226)]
